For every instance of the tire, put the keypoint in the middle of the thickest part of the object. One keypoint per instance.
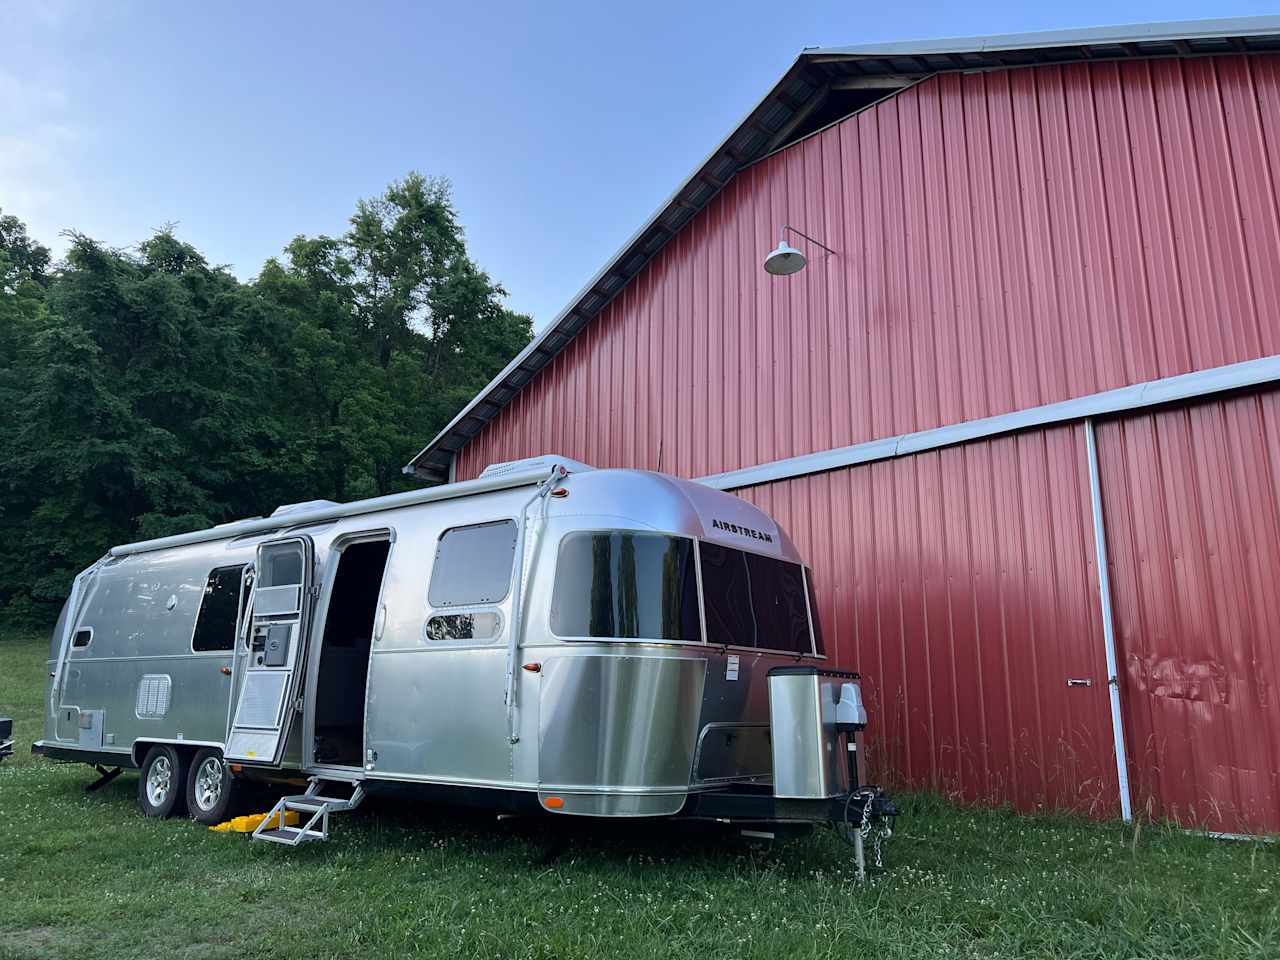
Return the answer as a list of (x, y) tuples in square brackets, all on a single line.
[(210, 788), (162, 782)]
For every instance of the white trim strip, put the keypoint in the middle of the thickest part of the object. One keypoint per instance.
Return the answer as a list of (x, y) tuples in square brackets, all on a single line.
[(1108, 622), (1184, 386)]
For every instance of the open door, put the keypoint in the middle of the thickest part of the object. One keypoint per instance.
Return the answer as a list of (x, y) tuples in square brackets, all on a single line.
[(348, 620), (274, 648)]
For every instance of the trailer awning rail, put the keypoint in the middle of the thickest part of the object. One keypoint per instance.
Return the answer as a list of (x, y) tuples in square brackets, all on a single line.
[(275, 524)]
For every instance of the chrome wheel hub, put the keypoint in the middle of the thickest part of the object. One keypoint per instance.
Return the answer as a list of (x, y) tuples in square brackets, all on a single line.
[(209, 780), (159, 781)]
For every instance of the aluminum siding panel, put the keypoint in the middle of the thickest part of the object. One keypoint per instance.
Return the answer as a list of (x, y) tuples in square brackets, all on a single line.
[(1193, 528)]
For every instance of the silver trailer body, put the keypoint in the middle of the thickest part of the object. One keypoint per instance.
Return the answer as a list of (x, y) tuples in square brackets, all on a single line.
[(547, 630)]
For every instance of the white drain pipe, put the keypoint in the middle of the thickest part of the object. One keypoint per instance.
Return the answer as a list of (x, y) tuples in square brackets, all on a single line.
[(1108, 623)]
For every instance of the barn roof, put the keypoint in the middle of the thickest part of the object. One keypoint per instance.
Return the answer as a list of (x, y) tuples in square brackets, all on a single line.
[(822, 86)]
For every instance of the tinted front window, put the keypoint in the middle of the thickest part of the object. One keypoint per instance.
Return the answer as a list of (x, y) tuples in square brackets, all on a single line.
[(625, 585), (753, 601)]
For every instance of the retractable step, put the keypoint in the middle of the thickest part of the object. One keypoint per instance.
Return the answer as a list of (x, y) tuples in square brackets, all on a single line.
[(313, 809)]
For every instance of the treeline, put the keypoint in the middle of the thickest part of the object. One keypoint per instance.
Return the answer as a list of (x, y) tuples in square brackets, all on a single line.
[(147, 392)]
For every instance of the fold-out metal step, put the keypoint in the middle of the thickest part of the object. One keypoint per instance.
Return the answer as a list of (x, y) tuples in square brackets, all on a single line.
[(313, 808)]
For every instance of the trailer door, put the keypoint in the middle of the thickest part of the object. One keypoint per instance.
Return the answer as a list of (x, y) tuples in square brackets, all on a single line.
[(274, 649)]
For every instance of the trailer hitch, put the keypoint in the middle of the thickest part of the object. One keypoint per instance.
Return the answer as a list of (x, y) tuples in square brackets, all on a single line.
[(866, 814)]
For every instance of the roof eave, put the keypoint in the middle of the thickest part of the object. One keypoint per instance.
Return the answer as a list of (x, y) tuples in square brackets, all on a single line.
[(1216, 28), (895, 64)]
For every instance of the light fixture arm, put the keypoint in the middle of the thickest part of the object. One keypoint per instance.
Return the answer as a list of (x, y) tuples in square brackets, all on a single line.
[(801, 233)]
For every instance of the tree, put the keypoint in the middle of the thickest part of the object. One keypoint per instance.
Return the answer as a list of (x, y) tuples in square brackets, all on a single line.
[(151, 393)]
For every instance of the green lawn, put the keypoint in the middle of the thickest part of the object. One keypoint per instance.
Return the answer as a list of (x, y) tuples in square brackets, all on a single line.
[(85, 875)]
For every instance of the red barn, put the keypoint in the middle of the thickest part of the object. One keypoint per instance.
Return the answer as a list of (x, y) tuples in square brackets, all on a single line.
[(1024, 419)]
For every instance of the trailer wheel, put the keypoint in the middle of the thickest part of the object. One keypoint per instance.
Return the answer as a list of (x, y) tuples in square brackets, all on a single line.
[(162, 782), (209, 788)]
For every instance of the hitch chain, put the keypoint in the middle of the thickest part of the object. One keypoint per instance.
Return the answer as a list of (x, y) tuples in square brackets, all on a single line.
[(882, 832)]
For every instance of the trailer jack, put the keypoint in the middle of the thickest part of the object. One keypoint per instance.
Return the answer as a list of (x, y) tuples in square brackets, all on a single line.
[(105, 776)]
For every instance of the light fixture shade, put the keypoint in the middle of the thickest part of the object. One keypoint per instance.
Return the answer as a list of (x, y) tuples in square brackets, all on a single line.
[(784, 260)]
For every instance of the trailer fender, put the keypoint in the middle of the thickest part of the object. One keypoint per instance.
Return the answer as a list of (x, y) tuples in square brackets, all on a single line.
[(140, 747)]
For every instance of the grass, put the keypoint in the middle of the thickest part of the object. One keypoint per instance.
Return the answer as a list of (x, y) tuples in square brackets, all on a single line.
[(85, 875)]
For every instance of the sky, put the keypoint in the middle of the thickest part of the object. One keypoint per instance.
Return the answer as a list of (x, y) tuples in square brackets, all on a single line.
[(562, 126)]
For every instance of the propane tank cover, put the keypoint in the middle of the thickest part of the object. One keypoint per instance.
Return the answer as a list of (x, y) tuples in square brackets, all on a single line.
[(850, 711)]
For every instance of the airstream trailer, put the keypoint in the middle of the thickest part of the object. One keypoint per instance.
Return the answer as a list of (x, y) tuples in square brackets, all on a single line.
[(547, 638)]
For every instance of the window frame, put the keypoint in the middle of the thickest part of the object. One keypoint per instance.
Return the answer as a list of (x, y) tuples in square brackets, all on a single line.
[(809, 596), (75, 633), (697, 570), (433, 608), (241, 609)]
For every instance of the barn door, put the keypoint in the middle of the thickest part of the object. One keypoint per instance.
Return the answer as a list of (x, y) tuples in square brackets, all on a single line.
[(1190, 497), (274, 649)]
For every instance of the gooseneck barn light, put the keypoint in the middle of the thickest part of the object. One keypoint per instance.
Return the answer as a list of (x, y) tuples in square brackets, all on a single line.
[(786, 259)]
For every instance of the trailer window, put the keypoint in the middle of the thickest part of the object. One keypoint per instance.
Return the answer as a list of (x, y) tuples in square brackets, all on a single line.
[(625, 585), (473, 565), (282, 565), (219, 607), (55, 641), (482, 625), (82, 638), (753, 601)]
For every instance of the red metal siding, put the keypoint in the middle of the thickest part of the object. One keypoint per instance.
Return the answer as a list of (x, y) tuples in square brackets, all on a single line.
[(961, 584), (1193, 530), (1006, 239)]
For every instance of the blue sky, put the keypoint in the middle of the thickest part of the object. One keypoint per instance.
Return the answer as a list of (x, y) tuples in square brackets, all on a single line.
[(562, 125)]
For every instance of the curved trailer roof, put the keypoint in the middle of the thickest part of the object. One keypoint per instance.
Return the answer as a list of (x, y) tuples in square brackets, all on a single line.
[(823, 86), (284, 518)]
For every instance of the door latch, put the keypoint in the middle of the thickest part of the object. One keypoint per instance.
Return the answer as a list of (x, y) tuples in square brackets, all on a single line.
[(1079, 682)]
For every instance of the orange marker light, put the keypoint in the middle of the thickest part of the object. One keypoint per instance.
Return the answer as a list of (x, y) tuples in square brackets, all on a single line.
[(553, 803)]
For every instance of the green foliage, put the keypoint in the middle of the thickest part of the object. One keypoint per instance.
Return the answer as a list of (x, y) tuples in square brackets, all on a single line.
[(147, 392)]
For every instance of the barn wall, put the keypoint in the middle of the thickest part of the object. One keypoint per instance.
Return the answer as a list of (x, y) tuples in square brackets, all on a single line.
[(961, 583), (1192, 505), (1005, 240)]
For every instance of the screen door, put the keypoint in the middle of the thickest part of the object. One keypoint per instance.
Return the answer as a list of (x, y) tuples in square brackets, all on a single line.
[(275, 641)]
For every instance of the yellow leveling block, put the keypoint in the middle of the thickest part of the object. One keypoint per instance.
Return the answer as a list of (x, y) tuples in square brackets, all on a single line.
[(250, 823)]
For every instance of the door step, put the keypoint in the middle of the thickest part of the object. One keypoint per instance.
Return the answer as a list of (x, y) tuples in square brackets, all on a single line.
[(313, 809)]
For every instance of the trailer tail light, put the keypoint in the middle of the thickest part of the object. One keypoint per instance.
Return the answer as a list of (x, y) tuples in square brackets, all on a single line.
[(553, 803), (532, 667), (560, 492)]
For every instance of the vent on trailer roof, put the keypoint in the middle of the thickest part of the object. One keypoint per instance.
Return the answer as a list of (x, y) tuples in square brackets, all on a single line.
[(546, 461)]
